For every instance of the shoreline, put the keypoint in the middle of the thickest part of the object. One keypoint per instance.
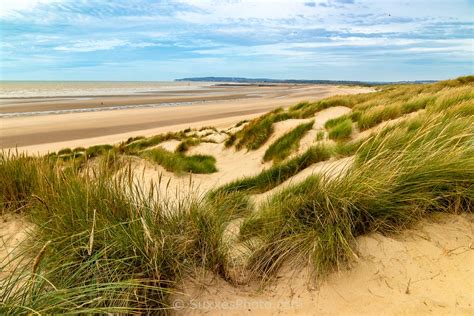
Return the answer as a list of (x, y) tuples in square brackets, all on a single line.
[(51, 132), (110, 108)]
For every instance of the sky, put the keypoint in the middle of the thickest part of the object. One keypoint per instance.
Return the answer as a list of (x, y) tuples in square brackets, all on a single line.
[(377, 40)]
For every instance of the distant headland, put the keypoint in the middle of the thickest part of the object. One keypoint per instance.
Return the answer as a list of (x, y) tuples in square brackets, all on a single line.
[(267, 81)]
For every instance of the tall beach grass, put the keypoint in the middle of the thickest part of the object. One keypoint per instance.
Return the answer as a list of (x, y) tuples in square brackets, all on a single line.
[(286, 144)]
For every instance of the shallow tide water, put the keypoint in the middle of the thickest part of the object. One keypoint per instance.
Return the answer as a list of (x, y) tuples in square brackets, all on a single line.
[(41, 89)]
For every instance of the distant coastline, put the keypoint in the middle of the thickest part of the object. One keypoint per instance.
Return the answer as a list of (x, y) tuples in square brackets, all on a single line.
[(242, 80)]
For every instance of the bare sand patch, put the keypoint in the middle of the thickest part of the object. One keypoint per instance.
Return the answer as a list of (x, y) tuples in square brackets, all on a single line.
[(169, 145), (13, 231)]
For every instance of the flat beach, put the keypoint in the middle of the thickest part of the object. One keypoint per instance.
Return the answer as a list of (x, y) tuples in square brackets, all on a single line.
[(42, 123)]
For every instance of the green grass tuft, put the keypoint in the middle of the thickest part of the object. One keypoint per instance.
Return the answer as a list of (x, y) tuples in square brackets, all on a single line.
[(378, 114), (333, 122), (342, 130), (65, 151), (184, 145), (286, 144), (95, 151), (229, 142), (256, 132), (240, 123), (179, 163), (320, 136)]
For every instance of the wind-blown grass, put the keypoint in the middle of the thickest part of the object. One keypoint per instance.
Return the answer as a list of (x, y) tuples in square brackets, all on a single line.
[(385, 191), (65, 151), (341, 130), (333, 122), (111, 248), (137, 144), (417, 103), (286, 144), (180, 163), (378, 114), (257, 131), (229, 142), (17, 181)]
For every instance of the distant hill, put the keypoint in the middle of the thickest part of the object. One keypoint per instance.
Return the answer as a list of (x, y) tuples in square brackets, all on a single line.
[(295, 81)]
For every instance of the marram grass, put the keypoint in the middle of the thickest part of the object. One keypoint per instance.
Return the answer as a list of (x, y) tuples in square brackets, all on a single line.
[(111, 248), (286, 144), (383, 192), (179, 163)]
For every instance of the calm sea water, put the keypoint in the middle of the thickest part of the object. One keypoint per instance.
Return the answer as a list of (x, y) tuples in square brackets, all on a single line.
[(31, 89)]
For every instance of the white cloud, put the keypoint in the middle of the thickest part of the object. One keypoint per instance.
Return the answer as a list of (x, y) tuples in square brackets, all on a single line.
[(12, 7), (83, 46), (91, 45), (377, 45)]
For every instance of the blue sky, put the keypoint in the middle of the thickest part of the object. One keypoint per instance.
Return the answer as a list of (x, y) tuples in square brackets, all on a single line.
[(162, 40)]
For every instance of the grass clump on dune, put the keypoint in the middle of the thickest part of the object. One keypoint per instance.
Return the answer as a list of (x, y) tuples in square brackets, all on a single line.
[(320, 136), (18, 181), (229, 142), (286, 144), (378, 114), (333, 122), (417, 103), (180, 163), (133, 139), (299, 105), (240, 123), (454, 96), (140, 143), (256, 132), (184, 145), (341, 130), (98, 150), (65, 151)]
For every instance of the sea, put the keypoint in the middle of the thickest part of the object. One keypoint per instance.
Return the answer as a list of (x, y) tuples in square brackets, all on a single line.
[(42, 89)]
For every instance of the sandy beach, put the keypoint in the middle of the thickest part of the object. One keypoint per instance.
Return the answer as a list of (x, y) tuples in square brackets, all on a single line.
[(90, 121)]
